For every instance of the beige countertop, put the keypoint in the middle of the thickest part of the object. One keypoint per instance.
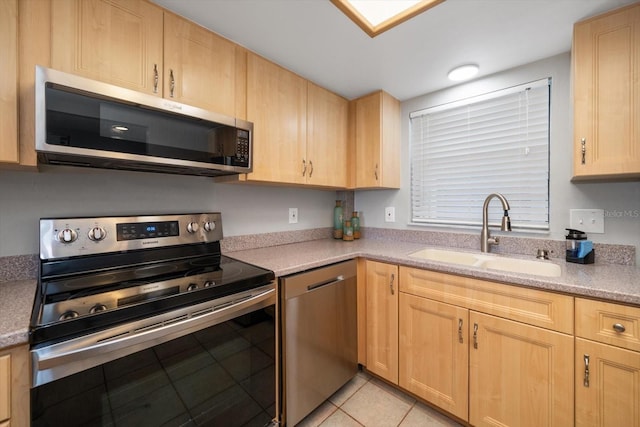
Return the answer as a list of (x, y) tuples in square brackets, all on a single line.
[(617, 283)]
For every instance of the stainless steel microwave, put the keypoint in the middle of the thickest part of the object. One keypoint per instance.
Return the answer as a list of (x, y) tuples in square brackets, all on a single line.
[(82, 122)]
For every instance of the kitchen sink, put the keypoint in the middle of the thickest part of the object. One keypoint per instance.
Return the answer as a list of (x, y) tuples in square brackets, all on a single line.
[(515, 265)]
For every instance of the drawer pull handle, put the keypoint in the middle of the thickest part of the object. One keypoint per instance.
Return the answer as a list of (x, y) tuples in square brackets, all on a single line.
[(618, 327), (460, 340), (475, 335), (586, 370)]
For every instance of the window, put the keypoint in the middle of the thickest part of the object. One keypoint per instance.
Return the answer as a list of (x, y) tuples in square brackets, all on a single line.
[(463, 151)]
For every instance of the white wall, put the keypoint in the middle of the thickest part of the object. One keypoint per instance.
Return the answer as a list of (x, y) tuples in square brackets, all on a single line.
[(25, 197), (620, 200)]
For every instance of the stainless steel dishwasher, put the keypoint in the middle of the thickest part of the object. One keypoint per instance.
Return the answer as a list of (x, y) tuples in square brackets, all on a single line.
[(319, 338)]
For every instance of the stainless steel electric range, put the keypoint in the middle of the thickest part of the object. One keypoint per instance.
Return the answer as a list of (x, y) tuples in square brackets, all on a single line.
[(141, 320)]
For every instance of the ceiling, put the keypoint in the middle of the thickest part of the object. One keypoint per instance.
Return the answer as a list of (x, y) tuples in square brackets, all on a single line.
[(316, 40)]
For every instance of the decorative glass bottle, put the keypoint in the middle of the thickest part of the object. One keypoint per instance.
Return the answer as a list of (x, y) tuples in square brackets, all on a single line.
[(337, 220), (347, 233), (355, 223)]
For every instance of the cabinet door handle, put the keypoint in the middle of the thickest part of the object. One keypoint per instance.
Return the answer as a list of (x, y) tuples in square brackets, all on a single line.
[(460, 340), (172, 83), (304, 167), (393, 277), (310, 168), (375, 173), (586, 370), (155, 78), (583, 143), (475, 335), (619, 327)]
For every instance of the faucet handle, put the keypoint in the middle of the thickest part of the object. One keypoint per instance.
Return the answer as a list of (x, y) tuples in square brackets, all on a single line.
[(494, 240)]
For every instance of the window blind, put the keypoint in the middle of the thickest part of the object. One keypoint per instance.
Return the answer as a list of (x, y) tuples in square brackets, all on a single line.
[(463, 151)]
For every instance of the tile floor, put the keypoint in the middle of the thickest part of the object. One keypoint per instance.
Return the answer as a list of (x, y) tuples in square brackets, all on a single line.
[(368, 402)]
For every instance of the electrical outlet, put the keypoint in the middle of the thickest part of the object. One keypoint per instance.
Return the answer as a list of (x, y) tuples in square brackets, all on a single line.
[(587, 220), (293, 215), (390, 214)]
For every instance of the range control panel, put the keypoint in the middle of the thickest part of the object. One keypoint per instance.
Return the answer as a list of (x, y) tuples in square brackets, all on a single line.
[(68, 237)]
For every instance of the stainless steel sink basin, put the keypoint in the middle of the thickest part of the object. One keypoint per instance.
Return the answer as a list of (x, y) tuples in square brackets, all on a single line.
[(515, 265)]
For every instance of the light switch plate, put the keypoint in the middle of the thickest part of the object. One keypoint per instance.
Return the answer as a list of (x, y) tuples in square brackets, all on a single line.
[(587, 220)]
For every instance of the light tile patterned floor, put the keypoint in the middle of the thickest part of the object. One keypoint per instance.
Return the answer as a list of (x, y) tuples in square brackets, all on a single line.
[(368, 402)]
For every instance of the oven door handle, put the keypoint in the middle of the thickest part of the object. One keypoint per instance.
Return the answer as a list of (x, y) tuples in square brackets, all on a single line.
[(69, 357)]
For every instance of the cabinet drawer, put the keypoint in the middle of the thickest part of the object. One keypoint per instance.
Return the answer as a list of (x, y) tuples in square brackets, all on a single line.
[(608, 323), (535, 307), (5, 383)]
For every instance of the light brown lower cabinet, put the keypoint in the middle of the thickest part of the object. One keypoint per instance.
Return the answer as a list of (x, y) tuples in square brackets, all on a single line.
[(488, 368), (607, 385), (519, 375), (607, 364), (382, 320), (14, 387), (434, 353)]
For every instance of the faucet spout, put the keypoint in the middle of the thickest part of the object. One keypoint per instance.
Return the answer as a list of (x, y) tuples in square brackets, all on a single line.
[(485, 238)]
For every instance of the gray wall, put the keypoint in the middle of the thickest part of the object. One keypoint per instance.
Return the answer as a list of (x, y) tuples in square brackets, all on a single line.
[(61, 191), (246, 209), (620, 200)]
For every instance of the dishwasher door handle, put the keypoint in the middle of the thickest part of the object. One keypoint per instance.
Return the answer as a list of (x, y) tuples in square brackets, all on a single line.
[(326, 283)]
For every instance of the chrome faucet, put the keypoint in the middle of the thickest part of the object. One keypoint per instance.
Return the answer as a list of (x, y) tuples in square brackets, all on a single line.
[(485, 239)]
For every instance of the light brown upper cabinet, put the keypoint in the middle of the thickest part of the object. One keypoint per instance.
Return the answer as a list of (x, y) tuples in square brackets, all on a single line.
[(9, 151), (377, 134), (199, 66), (114, 41), (136, 45), (300, 129), (326, 157), (606, 90), (277, 106)]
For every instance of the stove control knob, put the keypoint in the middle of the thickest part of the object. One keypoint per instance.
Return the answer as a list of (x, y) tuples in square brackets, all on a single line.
[(67, 235), (96, 234), (192, 287), (98, 308), (209, 226), (68, 315), (209, 283), (192, 227)]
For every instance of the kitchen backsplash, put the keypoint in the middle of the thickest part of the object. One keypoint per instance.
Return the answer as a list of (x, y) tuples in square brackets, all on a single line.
[(23, 267)]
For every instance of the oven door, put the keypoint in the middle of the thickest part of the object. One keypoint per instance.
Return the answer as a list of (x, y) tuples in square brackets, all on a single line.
[(209, 364)]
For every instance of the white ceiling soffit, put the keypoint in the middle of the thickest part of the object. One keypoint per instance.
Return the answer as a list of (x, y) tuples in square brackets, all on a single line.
[(316, 40)]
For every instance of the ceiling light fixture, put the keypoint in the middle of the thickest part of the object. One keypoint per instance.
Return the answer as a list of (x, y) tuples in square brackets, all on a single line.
[(377, 16), (463, 72)]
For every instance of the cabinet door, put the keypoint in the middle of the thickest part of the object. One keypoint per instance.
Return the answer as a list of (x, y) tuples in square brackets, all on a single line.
[(608, 393), (382, 320), (377, 136), (277, 106), (115, 41), (606, 64), (327, 115), (519, 375), (434, 350), (5, 387), (9, 81), (199, 66)]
